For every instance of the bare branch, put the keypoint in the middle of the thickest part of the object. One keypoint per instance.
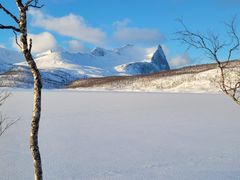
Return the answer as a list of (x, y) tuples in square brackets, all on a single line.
[(16, 39), (3, 127), (9, 27), (209, 44), (212, 45), (9, 13), (3, 97), (32, 3), (28, 3), (4, 124), (235, 38), (30, 45)]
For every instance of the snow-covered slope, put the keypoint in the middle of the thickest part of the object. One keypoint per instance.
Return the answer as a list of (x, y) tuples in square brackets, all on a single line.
[(127, 60), (202, 78)]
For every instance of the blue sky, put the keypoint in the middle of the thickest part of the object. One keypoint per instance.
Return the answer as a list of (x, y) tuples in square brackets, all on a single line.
[(80, 25)]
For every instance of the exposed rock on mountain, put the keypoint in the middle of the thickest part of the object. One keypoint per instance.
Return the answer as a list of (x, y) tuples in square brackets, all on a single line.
[(158, 63), (99, 51), (159, 59)]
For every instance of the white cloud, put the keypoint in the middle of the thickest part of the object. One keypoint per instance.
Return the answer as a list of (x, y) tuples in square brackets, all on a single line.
[(126, 34), (41, 42), (144, 53), (123, 23), (180, 60), (70, 25), (76, 46), (150, 51), (139, 53)]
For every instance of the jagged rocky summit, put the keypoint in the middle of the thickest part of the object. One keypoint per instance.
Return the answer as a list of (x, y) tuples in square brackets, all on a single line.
[(158, 63), (159, 59)]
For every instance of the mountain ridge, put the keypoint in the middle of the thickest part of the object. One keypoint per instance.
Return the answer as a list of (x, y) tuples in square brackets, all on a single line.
[(97, 63)]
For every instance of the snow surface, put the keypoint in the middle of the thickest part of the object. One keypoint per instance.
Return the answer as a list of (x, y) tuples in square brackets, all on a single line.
[(124, 136)]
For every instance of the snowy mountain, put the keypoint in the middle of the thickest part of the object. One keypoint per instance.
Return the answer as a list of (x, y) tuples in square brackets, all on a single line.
[(99, 62), (61, 67)]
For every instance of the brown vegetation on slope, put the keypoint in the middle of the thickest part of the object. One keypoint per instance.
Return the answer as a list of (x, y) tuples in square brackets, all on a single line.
[(98, 82)]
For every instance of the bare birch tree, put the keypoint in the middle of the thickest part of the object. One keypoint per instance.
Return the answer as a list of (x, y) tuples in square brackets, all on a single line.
[(211, 45), (4, 125), (20, 28)]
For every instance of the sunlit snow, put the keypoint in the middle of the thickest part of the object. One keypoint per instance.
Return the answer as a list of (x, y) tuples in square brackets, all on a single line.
[(130, 136)]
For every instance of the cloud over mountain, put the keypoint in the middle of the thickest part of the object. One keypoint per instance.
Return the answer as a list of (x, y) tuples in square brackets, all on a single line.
[(71, 25), (41, 42), (126, 34)]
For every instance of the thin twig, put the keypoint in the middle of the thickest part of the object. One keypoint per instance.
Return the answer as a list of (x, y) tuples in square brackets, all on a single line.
[(9, 13), (16, 39)]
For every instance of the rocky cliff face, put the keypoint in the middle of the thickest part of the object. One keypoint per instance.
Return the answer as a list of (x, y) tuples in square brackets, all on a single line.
[(159, 59), (158, 63)]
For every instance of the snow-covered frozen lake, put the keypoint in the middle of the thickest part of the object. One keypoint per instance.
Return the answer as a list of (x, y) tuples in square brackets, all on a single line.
[(125, 136)]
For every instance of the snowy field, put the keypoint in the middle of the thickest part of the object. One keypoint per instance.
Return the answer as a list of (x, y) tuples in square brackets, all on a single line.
[(125, 136)]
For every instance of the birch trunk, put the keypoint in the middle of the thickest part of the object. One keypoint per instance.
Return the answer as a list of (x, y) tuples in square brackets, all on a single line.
[(26, 49)]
